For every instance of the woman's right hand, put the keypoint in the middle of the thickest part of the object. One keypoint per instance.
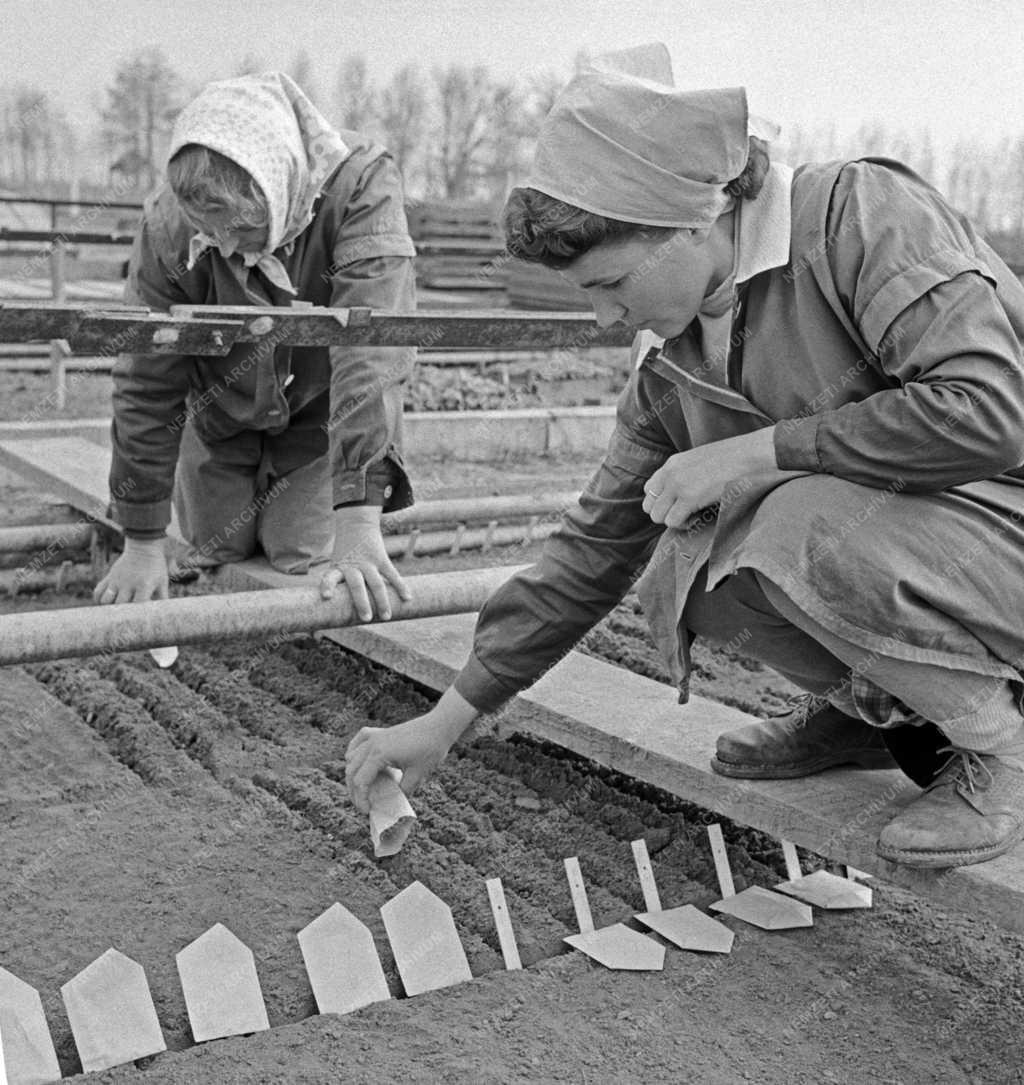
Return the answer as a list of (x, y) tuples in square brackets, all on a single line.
[(138, 575), (416, 747)]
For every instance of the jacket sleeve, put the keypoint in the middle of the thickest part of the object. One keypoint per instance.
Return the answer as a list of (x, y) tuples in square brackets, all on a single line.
[(586, 567), (372, 265), (148, 404), (924, 299)]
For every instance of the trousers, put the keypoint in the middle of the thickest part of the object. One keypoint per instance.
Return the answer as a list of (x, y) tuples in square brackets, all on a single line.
[(973, 711), (233, 499)]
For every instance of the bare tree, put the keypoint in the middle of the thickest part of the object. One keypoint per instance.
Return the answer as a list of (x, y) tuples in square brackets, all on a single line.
[(355, 95), (301, 70), (471, 110), (402, 119), (38, 142), (142, 103)]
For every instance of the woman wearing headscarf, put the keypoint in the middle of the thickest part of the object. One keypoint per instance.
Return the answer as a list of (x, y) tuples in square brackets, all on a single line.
[(294, 451), (822, 461)]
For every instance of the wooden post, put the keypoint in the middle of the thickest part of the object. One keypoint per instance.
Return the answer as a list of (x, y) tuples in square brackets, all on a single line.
[(58, 287), (58, 373)]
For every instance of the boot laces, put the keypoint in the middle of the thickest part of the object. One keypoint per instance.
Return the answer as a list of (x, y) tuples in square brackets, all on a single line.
[(963, 767), (801, 707)]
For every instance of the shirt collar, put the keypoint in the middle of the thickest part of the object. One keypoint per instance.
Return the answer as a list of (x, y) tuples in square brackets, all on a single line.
[(762, 243), (765, 225)]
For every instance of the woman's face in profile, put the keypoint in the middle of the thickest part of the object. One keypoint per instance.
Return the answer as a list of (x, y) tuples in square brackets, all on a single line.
[(655, 283)]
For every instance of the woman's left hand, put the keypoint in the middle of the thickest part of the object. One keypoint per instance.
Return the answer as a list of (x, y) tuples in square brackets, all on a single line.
[(361, 561), (690, 481)]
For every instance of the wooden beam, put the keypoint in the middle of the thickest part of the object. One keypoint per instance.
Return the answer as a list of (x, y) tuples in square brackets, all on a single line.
[(212, 330), (633, 725)]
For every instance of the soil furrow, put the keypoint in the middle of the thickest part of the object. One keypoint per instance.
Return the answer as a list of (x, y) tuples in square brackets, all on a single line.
[(232, 694), (458, 885), (128, 731)]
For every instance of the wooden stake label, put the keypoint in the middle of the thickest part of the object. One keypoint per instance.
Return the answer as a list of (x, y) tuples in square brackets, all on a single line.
[(342, 963), (424, 940), (506, 936), (721, 857), (578, 891), (111, 1013), (221, 987), (652, 900), (28, 1053), (789, 854)]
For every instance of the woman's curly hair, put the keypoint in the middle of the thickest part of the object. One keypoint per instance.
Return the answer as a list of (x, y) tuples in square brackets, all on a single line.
[(541, 229)]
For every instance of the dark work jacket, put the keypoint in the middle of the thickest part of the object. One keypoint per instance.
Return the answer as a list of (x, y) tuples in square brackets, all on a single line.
[(356, 252)]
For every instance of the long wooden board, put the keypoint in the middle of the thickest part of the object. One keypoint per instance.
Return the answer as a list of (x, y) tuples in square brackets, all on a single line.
[(75, 470), (618, 719), (632, 724)]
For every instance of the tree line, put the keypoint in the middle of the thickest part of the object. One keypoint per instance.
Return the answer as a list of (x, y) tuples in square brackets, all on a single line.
[(457, 131)]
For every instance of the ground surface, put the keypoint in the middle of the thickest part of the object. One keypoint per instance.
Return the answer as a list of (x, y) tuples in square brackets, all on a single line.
[(140, 807)]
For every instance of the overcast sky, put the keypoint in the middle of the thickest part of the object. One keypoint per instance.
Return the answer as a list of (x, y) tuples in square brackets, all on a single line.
[(955, 66)]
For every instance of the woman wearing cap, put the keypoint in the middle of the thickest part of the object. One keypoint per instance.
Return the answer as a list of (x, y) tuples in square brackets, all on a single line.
[(824, 459), (290, 450)]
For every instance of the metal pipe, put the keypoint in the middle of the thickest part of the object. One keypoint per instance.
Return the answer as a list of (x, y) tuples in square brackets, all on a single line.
[(421, 543), (36, 636), (30, 537), (78, 535), (468, 509), (67, 574)]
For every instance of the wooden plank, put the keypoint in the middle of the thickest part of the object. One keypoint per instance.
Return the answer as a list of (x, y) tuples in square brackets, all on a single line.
[(792, 860), (213, 329), (721, 858), (503, 924), (578, 892), (652, 899), (71, 468), (633, 725)]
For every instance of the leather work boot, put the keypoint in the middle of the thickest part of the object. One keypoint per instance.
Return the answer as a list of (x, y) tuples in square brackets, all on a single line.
[(811, 737), (973, 811)]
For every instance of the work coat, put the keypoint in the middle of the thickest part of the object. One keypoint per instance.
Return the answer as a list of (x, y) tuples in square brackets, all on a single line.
[(356, 252), (887, 353)]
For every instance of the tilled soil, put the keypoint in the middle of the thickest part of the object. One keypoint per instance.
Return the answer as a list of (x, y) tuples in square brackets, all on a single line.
[(142, 806)]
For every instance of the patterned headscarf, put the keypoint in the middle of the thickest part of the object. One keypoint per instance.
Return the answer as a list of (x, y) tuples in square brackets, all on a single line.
[(622, 142), (267, 125)]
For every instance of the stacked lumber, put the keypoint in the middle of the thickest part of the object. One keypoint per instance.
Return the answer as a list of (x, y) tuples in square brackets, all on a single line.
[(532, 286), (459, 245)]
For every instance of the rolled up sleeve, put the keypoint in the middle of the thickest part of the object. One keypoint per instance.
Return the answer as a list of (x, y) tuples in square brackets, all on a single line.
[(925, 302), (372, 266)]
